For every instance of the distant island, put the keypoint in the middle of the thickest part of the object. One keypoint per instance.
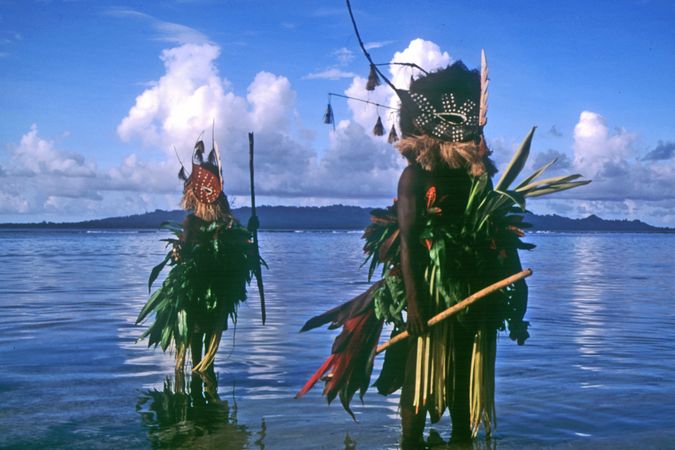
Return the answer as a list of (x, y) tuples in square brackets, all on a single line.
[(336, 217)]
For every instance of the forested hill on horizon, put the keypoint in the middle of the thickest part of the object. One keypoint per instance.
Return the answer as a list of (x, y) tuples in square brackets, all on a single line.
[(336, 217)]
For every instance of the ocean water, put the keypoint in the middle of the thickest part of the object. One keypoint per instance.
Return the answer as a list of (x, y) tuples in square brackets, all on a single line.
[(598, 371)]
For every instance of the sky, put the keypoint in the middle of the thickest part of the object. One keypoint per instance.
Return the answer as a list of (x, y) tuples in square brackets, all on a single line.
[(95, 96)]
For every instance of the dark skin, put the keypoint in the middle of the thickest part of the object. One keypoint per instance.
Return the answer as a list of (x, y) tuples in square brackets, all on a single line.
[(413, 185)]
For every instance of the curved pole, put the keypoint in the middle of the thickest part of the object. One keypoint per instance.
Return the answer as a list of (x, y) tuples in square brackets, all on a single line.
[(363, 47), (457, 307)]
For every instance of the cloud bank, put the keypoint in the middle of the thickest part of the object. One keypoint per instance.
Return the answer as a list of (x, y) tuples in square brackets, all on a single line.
[(40, 177)]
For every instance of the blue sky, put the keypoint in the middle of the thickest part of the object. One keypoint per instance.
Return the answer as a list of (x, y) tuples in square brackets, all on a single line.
[(95, 94)]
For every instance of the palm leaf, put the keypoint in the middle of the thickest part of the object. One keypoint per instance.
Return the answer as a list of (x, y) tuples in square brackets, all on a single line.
[(150, 305), (517, 163), (557, 188), (536, 174), (156, 270), (547, 181)]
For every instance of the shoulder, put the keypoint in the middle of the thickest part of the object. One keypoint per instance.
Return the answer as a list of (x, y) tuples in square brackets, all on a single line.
[(412, 179)]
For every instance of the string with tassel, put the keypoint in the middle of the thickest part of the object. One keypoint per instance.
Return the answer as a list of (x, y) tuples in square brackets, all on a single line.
[(329, 118)]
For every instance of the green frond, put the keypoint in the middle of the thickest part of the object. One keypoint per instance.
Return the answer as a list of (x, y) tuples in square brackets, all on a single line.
[(517, 163), (536, 174)]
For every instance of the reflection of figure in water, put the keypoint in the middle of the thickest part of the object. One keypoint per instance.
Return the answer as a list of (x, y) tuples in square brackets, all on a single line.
[(212, 260), (449, 234), (192, 417)]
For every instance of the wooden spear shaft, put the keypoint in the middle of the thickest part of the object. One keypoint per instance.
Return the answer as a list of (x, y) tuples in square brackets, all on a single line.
[(457, 307), (258, 269)]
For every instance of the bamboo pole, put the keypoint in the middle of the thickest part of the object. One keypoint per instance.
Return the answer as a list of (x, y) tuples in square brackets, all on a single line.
[(454, 309)]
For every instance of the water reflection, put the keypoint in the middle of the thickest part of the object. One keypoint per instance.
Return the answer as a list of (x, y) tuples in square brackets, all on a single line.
[(588, 307), (435, 441), (188, 415)]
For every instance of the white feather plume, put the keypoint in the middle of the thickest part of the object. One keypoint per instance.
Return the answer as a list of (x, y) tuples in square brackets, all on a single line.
[(484, 81)]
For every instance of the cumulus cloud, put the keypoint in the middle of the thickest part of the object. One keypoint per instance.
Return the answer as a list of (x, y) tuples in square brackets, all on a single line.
[(356, 167), (191, 93), (41, 178), (610, 158), (36, 156), (596, 149)]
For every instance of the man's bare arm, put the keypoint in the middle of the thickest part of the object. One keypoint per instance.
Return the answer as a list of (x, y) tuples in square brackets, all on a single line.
[(409, 207)]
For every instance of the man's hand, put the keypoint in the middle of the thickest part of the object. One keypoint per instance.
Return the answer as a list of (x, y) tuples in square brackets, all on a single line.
[(253, 224), (518, 332), (417, 322)]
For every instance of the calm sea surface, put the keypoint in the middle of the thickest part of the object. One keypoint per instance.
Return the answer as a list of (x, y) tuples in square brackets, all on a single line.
[(598, 371)]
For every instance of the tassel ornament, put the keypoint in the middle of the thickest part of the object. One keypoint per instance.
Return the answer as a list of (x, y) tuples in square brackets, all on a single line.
[(378, 129), (373, 79), (393, 136), (328, 118)]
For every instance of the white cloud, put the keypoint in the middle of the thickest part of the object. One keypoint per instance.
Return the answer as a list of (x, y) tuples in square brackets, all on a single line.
[(425, 54), (595, 148), (36, 156), (329, 74), (273, 102), (344, 56), (11, 203), (623, 185), (173, 33), (356, 167), (184, 101), (377, 44), (191, 93)]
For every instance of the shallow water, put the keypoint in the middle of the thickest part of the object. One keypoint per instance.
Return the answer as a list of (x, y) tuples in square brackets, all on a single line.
[(598, 371)]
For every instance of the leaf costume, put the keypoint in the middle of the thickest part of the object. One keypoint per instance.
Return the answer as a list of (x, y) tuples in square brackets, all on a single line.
[(212, 259), (468, 240)]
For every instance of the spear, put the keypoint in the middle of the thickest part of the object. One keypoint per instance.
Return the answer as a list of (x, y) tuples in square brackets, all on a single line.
[(457, 307), (254, 221)]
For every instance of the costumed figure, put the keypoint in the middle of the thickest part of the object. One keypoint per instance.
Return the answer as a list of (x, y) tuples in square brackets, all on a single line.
[(450, 233), (212, 259)]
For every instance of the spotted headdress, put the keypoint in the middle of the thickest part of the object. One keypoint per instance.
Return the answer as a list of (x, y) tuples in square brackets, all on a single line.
[(203, 188), (443, 104)]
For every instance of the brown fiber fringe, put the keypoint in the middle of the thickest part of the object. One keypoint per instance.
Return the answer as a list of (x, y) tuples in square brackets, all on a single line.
[(205, 211), (432, 154)]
